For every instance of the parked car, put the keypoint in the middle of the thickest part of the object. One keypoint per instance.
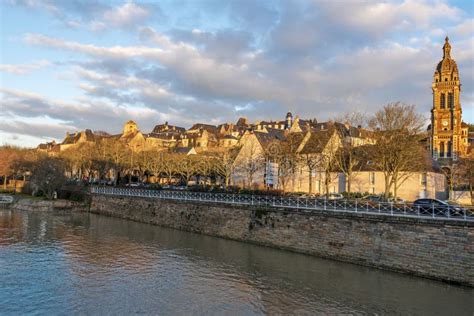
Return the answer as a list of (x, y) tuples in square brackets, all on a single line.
[(439, 207), (397, 200), (133, 184), (373, 198), (309, 196), (332, 197)]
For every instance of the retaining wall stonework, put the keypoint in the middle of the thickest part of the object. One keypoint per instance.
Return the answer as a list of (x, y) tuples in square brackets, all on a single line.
[(36, 205), (438, 249)]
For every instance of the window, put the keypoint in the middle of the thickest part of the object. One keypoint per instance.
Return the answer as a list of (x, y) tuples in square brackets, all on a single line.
[(442, 101), (450, 100)]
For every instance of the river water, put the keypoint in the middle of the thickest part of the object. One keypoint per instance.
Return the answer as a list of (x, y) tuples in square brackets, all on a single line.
[(82, 263)]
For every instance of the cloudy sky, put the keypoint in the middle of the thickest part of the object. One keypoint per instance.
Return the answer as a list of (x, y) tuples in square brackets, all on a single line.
[(71, 65)]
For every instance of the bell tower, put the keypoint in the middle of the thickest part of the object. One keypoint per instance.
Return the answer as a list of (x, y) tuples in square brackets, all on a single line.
[(447, 139)]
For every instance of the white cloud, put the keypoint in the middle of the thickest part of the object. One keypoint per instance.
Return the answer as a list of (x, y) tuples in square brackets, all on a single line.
[(37, 4), (379, 17), (191, 66), (465, 28), (124, 16), (316, 59), (21, 69)]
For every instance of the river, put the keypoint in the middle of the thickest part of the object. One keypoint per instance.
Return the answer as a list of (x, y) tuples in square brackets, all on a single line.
[(79, 263)]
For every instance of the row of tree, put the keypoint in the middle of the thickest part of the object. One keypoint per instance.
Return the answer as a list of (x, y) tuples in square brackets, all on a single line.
[(112, 159), (396, 150)]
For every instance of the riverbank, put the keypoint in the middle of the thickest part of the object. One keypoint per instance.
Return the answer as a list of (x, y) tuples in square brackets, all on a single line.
[(35, 204), (436, 249), (110, 266)]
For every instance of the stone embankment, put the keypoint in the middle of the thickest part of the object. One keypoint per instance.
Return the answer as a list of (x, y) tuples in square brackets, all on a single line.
[(437, 249), (22, 203)]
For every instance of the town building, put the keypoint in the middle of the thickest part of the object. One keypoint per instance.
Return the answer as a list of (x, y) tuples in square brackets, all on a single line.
[(448, 133)]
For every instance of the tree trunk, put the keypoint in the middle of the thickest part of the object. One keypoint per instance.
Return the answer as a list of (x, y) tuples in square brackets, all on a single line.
[(310, 183), (387, 186), (395, 188), (349, 182), (326, 185), (471, 191), (227, 181)]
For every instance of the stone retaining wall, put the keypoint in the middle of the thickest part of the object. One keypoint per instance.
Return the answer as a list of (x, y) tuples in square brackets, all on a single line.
[(36, 205), (437, 249)]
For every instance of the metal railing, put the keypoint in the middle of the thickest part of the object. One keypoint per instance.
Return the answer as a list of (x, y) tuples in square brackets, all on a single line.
[(304, 204), (6, 199)]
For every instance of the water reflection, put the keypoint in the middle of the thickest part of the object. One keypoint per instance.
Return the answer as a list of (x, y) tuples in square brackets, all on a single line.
[(85, 263)]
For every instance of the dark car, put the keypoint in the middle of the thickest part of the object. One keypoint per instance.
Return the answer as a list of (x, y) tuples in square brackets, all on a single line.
[(437, 207)]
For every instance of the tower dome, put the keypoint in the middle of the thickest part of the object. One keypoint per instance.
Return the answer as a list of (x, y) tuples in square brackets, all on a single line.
[(447, 69)]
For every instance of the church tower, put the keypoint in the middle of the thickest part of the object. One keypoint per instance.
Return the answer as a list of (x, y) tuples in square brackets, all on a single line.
[(448, 138)]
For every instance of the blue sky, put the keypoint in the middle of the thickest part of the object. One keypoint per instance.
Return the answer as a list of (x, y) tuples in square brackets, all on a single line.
[(71, 65)]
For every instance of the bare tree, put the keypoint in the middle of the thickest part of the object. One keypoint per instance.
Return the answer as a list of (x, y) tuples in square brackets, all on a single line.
[(347, 160), (327, 162), (83, 155), (101, 162), (187, 167), (397, 151), (169, 166), (155, 163), (118, 155), (350, 154), (48, 175), (205, 168), (223, 164), (466, 166), (311, 161)]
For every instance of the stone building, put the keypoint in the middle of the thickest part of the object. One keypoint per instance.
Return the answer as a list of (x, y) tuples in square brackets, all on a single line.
[(448, 133), (75, 139), (427, 182), (257, 163)]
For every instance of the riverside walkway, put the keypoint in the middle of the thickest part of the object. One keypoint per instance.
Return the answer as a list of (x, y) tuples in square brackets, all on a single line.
[(302, 204)]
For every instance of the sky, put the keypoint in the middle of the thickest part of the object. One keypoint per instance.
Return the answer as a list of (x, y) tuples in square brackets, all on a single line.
[(70, 65)]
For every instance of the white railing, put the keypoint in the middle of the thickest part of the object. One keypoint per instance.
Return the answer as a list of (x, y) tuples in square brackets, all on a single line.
[(458, 213), (6, 199)]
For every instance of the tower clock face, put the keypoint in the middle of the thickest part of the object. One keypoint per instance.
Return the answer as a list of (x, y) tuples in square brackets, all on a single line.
[(445, 123)]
